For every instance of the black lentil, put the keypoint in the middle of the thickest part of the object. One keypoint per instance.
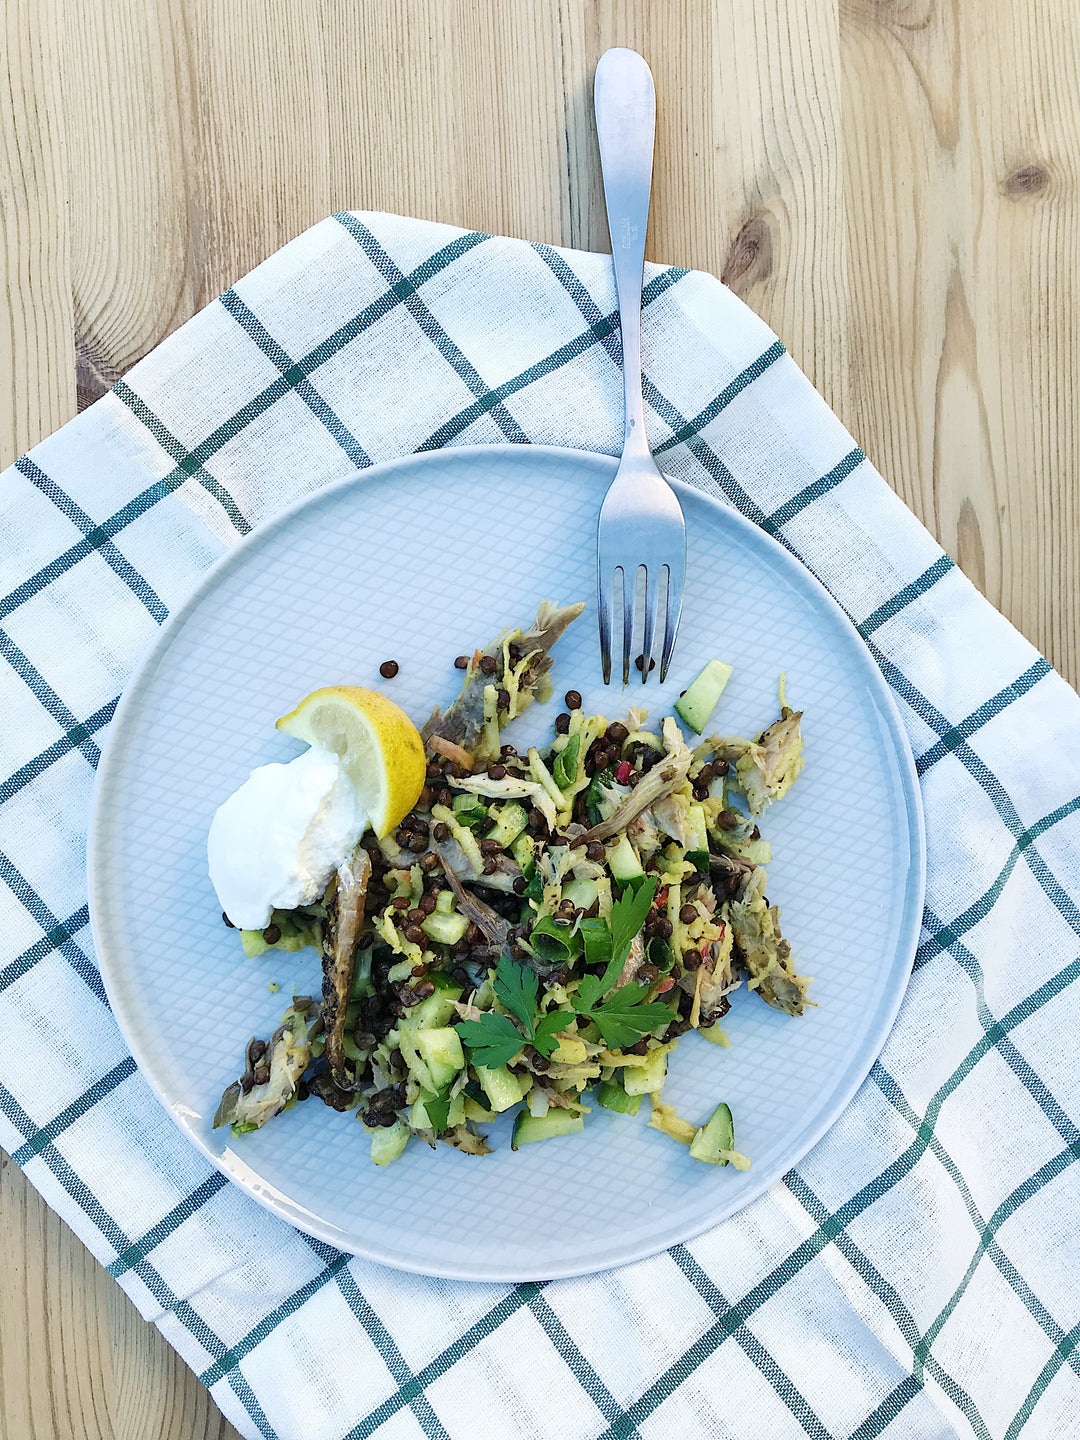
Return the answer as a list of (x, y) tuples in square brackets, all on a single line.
[(572, 700), (272, 934), (388, 669)]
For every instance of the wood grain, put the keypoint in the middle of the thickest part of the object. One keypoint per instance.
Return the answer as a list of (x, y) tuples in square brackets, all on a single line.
[(892, 184)]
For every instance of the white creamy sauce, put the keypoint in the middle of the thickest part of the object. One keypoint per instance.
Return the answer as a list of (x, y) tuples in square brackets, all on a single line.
[(276, 841)]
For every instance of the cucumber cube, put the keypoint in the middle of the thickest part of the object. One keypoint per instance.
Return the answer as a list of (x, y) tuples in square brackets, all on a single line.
[(715, 1136), (528, 1128), (647, 1078), (698, 701), (442, 1054), (388, 1143)]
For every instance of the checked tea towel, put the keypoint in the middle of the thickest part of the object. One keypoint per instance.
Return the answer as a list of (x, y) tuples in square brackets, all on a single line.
[(918, 1275)]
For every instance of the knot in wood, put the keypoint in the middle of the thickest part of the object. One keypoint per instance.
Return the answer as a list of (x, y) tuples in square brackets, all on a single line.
[(750, 257), (1027, 180)]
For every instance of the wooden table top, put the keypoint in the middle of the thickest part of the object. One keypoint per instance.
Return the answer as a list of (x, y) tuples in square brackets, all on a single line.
[(889, 183)]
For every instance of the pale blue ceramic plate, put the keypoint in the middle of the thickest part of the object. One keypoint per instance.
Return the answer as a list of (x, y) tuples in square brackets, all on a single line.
[(417, 561)]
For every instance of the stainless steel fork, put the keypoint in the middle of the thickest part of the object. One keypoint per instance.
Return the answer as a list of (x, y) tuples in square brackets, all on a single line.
[(641, 534)]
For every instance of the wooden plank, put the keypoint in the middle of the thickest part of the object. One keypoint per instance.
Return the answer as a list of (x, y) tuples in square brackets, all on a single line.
[(37, 383), (963, 251), (76, 1358)]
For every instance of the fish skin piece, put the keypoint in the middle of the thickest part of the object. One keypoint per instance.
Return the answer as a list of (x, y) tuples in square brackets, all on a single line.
[(344, 918), (463, 721)]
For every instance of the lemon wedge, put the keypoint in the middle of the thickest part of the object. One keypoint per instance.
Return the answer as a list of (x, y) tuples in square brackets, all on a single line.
[(380, 748)]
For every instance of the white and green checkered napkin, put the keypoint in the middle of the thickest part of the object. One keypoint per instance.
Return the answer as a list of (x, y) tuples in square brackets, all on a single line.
[(918, 1275)]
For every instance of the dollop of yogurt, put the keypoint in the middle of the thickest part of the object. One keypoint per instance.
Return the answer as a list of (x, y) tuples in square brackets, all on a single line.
[(276, 841)]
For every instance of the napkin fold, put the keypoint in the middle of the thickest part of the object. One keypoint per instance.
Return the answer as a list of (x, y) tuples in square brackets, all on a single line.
[(918, 1274)]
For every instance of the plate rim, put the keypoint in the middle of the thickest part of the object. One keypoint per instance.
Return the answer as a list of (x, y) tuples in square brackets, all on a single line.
[(291, 1212)]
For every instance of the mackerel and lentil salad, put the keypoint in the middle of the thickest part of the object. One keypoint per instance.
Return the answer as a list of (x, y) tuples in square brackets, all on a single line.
[(539, 930)]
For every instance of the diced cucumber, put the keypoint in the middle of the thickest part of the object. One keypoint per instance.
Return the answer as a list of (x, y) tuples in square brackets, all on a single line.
[(523, 849), (475, 1111), (411, 1055), (510, 821), (698, 700), (445, 984), (623, 861), (437, 1009), (528, 1128), (580, 893), (614, 1097), (442, 1054), (418, 1116), (446, 929), (758, 852), (647, 1078), (695, 818), (444, 902), (501, 1088), (643, 737), (388, 1142), (293, 937), (717, 1134)]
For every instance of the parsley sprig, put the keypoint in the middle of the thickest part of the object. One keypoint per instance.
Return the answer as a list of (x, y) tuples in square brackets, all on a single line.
[(494, 1039), (622, 1019)]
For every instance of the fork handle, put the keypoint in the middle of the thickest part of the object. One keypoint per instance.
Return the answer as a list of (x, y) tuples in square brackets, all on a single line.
[(625, 104)]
